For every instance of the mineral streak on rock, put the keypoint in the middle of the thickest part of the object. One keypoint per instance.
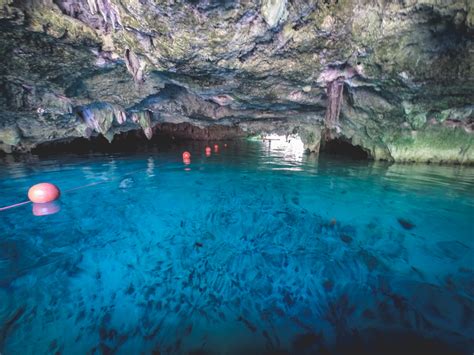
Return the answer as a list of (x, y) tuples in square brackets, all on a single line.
[(392, 77), (133, 65), (107, 9), (334, 92)]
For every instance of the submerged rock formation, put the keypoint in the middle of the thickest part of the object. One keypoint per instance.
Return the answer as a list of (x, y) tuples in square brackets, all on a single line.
[(395, 78)]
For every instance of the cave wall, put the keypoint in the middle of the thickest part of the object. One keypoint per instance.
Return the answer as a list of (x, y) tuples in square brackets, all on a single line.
[(403, 71)]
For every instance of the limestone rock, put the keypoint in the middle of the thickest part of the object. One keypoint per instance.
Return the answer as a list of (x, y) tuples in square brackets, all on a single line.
[(273, 11), (74, 68)]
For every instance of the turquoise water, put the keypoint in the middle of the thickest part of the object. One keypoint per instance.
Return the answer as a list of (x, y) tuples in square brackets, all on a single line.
[(255, 249)]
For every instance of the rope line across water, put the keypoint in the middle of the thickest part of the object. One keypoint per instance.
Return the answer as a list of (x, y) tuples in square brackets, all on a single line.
[(81, 187)]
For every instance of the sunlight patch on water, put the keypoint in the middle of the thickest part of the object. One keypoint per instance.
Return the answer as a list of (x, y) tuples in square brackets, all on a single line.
[(290, 149)]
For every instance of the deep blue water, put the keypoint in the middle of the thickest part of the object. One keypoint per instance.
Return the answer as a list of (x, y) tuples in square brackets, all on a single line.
[(255, 249)]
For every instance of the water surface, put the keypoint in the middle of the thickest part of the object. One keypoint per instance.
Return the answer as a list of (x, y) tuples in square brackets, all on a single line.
[(255, 249)]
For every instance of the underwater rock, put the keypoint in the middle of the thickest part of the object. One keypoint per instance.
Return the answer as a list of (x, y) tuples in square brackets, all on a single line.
[(405, 223), (126, 183)]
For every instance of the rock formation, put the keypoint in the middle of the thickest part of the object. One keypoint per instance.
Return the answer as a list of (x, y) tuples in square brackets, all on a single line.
[(395, 78)]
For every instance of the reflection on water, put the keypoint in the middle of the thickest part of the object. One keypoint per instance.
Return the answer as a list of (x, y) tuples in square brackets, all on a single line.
[(252, 250), (289, 148)]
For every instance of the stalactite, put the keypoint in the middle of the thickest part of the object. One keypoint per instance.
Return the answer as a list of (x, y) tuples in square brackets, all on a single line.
[(92, 6), (133, 65), (99, 117), (120, 116), (89, 119), (144, 121), (334, 92), (107, 9)]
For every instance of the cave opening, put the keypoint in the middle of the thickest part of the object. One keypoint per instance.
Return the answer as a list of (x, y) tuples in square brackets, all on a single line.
[(133, 141), (339, 147), (166, 136), (125, 142)]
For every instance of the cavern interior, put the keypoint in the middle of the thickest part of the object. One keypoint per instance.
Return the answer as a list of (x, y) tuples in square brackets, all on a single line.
[(236, 177)]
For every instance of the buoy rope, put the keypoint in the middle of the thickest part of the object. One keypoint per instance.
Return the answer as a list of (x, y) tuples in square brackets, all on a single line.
[(91, 184), (15, 205), (82, 186)]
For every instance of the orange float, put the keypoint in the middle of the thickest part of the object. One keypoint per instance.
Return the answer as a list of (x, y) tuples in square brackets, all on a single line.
[(43, 193)]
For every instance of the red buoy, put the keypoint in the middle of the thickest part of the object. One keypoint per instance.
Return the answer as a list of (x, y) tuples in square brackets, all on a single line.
[(186, 155), (208, 151), (43, 193)]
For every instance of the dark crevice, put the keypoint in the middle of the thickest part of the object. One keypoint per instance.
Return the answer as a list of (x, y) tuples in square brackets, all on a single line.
[(342, 148), (133, 141), (165, 136)]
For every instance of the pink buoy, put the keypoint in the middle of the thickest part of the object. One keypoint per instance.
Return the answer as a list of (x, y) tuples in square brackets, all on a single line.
[(208, 151), (43, 193), (186, 155)]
